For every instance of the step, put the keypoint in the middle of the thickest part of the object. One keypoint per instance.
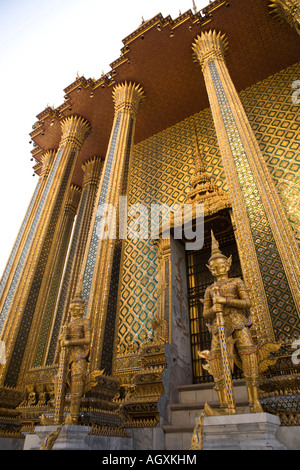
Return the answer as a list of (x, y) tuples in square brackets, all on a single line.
[(197, 393), (186, 414), (178, 437)]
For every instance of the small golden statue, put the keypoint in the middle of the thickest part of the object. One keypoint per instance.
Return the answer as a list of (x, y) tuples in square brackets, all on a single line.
[(226, 309), (50, 439), (197, 438), (75, 342)]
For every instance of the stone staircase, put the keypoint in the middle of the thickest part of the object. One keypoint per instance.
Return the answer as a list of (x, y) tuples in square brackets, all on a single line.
[(184, 415)]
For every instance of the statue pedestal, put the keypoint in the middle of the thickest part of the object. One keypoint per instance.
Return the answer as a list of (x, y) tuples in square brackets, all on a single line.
[(70, 437), (73, 437), (253, 431)]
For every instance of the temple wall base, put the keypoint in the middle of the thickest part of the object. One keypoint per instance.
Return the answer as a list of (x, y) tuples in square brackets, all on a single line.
[(251, 431), (270, 436), (289, 436), (78, 438), (11, 443)]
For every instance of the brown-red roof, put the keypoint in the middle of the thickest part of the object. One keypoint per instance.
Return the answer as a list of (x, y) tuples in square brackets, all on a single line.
[(158, 55)]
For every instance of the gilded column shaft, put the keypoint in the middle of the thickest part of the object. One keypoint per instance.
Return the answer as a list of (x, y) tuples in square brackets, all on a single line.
[(92, 170), (104, 252), (23, 304), (50, 287), (256, 198), (286, 10), (17, 256), (164, 299)]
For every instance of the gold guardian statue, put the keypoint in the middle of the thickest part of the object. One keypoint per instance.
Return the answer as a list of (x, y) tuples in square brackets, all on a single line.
[(226, 309), (75, 341)]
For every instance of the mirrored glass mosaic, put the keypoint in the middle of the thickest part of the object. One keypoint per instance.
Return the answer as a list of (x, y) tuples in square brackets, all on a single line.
[(92, 253), (29, 240), (283, 312), (29, 309), (17, 242)]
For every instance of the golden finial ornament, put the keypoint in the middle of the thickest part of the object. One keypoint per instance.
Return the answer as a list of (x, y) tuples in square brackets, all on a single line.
[(215, 250)]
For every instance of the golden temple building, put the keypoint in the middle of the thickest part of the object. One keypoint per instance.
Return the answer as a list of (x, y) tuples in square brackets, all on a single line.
[(198, 111)]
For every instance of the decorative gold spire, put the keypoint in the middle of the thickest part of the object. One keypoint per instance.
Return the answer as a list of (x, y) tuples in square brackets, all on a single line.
[(199, 165), (77, 299), (203, 189), (215, 250)]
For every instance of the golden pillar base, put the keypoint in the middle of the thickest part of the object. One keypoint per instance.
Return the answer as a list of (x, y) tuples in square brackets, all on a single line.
[(10, 425), (99, 408), (142, 384)]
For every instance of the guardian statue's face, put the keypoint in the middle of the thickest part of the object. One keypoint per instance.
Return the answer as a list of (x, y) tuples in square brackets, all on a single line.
[(77, 310), (219, 266)]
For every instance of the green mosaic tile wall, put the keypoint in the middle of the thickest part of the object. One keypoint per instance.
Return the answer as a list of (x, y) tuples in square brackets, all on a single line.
[(275, 121), (162, 167)]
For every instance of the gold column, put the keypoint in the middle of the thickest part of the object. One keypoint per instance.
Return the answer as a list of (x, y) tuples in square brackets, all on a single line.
[(262, 226), (39, 336), (92, 171), (287, 10), (21, 311), (163, 317), (12, 270), (101, 268)]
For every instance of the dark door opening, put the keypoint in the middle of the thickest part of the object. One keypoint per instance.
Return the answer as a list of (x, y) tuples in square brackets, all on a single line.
[(199, 277)]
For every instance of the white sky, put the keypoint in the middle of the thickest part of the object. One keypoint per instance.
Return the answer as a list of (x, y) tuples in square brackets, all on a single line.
[(43, 44)]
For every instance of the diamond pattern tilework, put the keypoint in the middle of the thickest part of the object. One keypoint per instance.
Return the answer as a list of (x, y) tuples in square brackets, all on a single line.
[(275, 121), (29, 309), (93, 248), (161, 171), (66, 278), (162, 167), (29, 239), (17, 242), (285, 319), (110, 322)]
